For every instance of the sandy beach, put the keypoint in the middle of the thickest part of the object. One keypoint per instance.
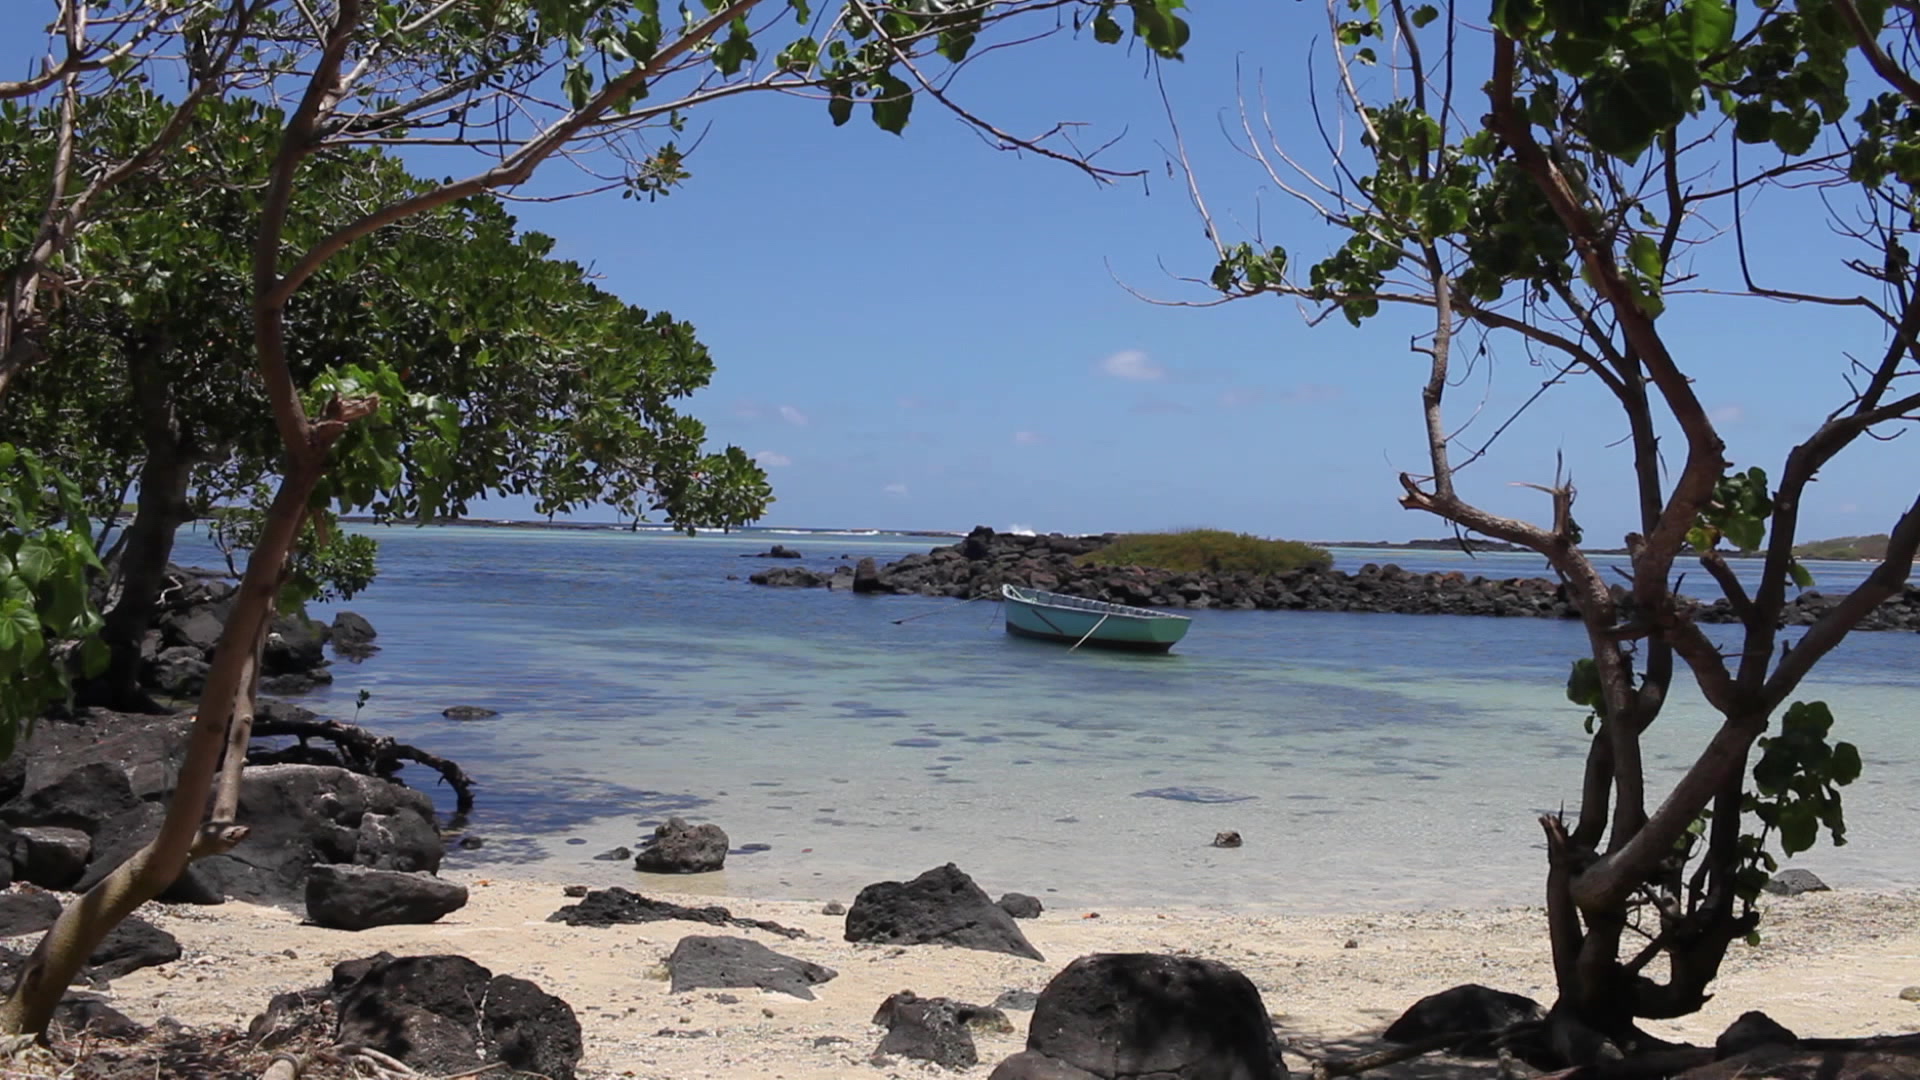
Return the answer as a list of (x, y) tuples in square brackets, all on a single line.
[(1830, 964)]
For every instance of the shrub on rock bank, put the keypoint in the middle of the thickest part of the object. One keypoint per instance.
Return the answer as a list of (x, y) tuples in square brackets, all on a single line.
[(1210, 551)]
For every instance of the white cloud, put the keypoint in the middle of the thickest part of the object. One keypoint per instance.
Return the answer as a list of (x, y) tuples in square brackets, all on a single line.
[(1727, 414), (1159, 406), (896, 490), (1027, 438), (793, 416), (1242, 395), (1132, 364), (769, 457), (747, 410)]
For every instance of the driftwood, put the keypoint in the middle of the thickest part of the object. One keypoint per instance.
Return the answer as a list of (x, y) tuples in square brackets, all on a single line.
[(363, 751)]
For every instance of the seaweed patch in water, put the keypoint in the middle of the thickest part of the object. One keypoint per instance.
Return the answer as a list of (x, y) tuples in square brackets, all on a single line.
[(1193, 795)]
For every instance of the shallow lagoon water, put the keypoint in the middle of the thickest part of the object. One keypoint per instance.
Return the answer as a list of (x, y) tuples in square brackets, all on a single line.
[(1370, 761)]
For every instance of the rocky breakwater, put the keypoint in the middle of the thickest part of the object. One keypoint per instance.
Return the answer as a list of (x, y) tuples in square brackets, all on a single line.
[(986, 560)]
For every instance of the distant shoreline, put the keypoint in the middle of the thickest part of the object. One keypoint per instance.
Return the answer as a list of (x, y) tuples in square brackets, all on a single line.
[(610, 526), (1474, 546)]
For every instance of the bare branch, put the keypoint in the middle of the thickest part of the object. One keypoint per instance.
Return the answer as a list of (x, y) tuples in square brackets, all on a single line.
[(1887, 580)]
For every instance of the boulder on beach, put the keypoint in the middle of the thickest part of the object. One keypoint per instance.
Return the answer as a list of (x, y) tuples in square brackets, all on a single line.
[(1794, 882), (467, 712), (27, 911), (304, 815), (106, 776), (446, 1015), (1753, 1029), (866, 576), (1228, 839), (133, 944), (940, 907), (723, 963), (359, 898), (49, 856), (1119, 1016), (935, 1029), (677, 847), (1020, 905), (1775, 1062), (1466, 1008), (617, 906)]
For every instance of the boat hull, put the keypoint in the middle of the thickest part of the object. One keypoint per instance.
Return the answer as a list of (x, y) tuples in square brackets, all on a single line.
[(1136, 633)]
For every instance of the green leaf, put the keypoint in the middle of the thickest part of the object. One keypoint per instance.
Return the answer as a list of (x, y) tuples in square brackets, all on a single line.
[(1753, 122), (737, 50), (1800, 574), (1709, 26), (840, 104), (1106, 30), (16, 622), (33, 562), (1844, 767), (1644, 252), (892, 102), (1424, 14)]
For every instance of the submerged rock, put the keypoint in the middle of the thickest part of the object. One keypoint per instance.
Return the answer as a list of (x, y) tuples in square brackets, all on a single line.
[(677, 847)]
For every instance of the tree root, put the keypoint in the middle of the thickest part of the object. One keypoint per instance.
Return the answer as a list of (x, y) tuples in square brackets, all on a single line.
[(1328, 1068), (376, 755), (385, 1067)]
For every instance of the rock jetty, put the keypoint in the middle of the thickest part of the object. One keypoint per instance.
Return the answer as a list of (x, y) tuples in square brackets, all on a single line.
[(986, 560)]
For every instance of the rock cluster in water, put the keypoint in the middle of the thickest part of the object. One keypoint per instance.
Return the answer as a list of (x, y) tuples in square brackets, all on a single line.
[(178, 650), (978, 565)]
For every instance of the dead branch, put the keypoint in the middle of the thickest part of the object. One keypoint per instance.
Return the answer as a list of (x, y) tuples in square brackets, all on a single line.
[(375, 755)]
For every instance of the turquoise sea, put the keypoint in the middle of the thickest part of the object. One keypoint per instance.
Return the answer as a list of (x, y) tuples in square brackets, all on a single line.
[(1371, 761)]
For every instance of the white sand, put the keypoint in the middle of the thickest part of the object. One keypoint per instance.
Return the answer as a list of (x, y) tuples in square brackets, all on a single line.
[(1831, 964)]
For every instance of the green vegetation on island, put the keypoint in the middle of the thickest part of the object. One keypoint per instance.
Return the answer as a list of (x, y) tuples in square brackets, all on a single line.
[(1214, 551), (1870, 548)]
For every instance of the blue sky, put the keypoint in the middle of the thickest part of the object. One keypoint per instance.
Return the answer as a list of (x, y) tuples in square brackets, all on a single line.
[(922, 332)]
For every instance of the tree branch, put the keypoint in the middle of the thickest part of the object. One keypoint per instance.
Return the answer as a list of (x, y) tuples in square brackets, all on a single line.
[(1887, 580), (1706, 459), (516, 167), (1882, 64)]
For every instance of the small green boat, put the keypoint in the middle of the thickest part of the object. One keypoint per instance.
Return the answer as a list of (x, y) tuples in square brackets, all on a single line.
[(1070, 619)]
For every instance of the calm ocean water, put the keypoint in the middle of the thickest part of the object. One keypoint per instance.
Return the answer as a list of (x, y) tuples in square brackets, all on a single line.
[(1372, 761)]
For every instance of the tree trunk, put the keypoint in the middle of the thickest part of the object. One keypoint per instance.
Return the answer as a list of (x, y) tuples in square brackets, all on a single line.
[(141, 571), (186, 833), (145, 549)]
